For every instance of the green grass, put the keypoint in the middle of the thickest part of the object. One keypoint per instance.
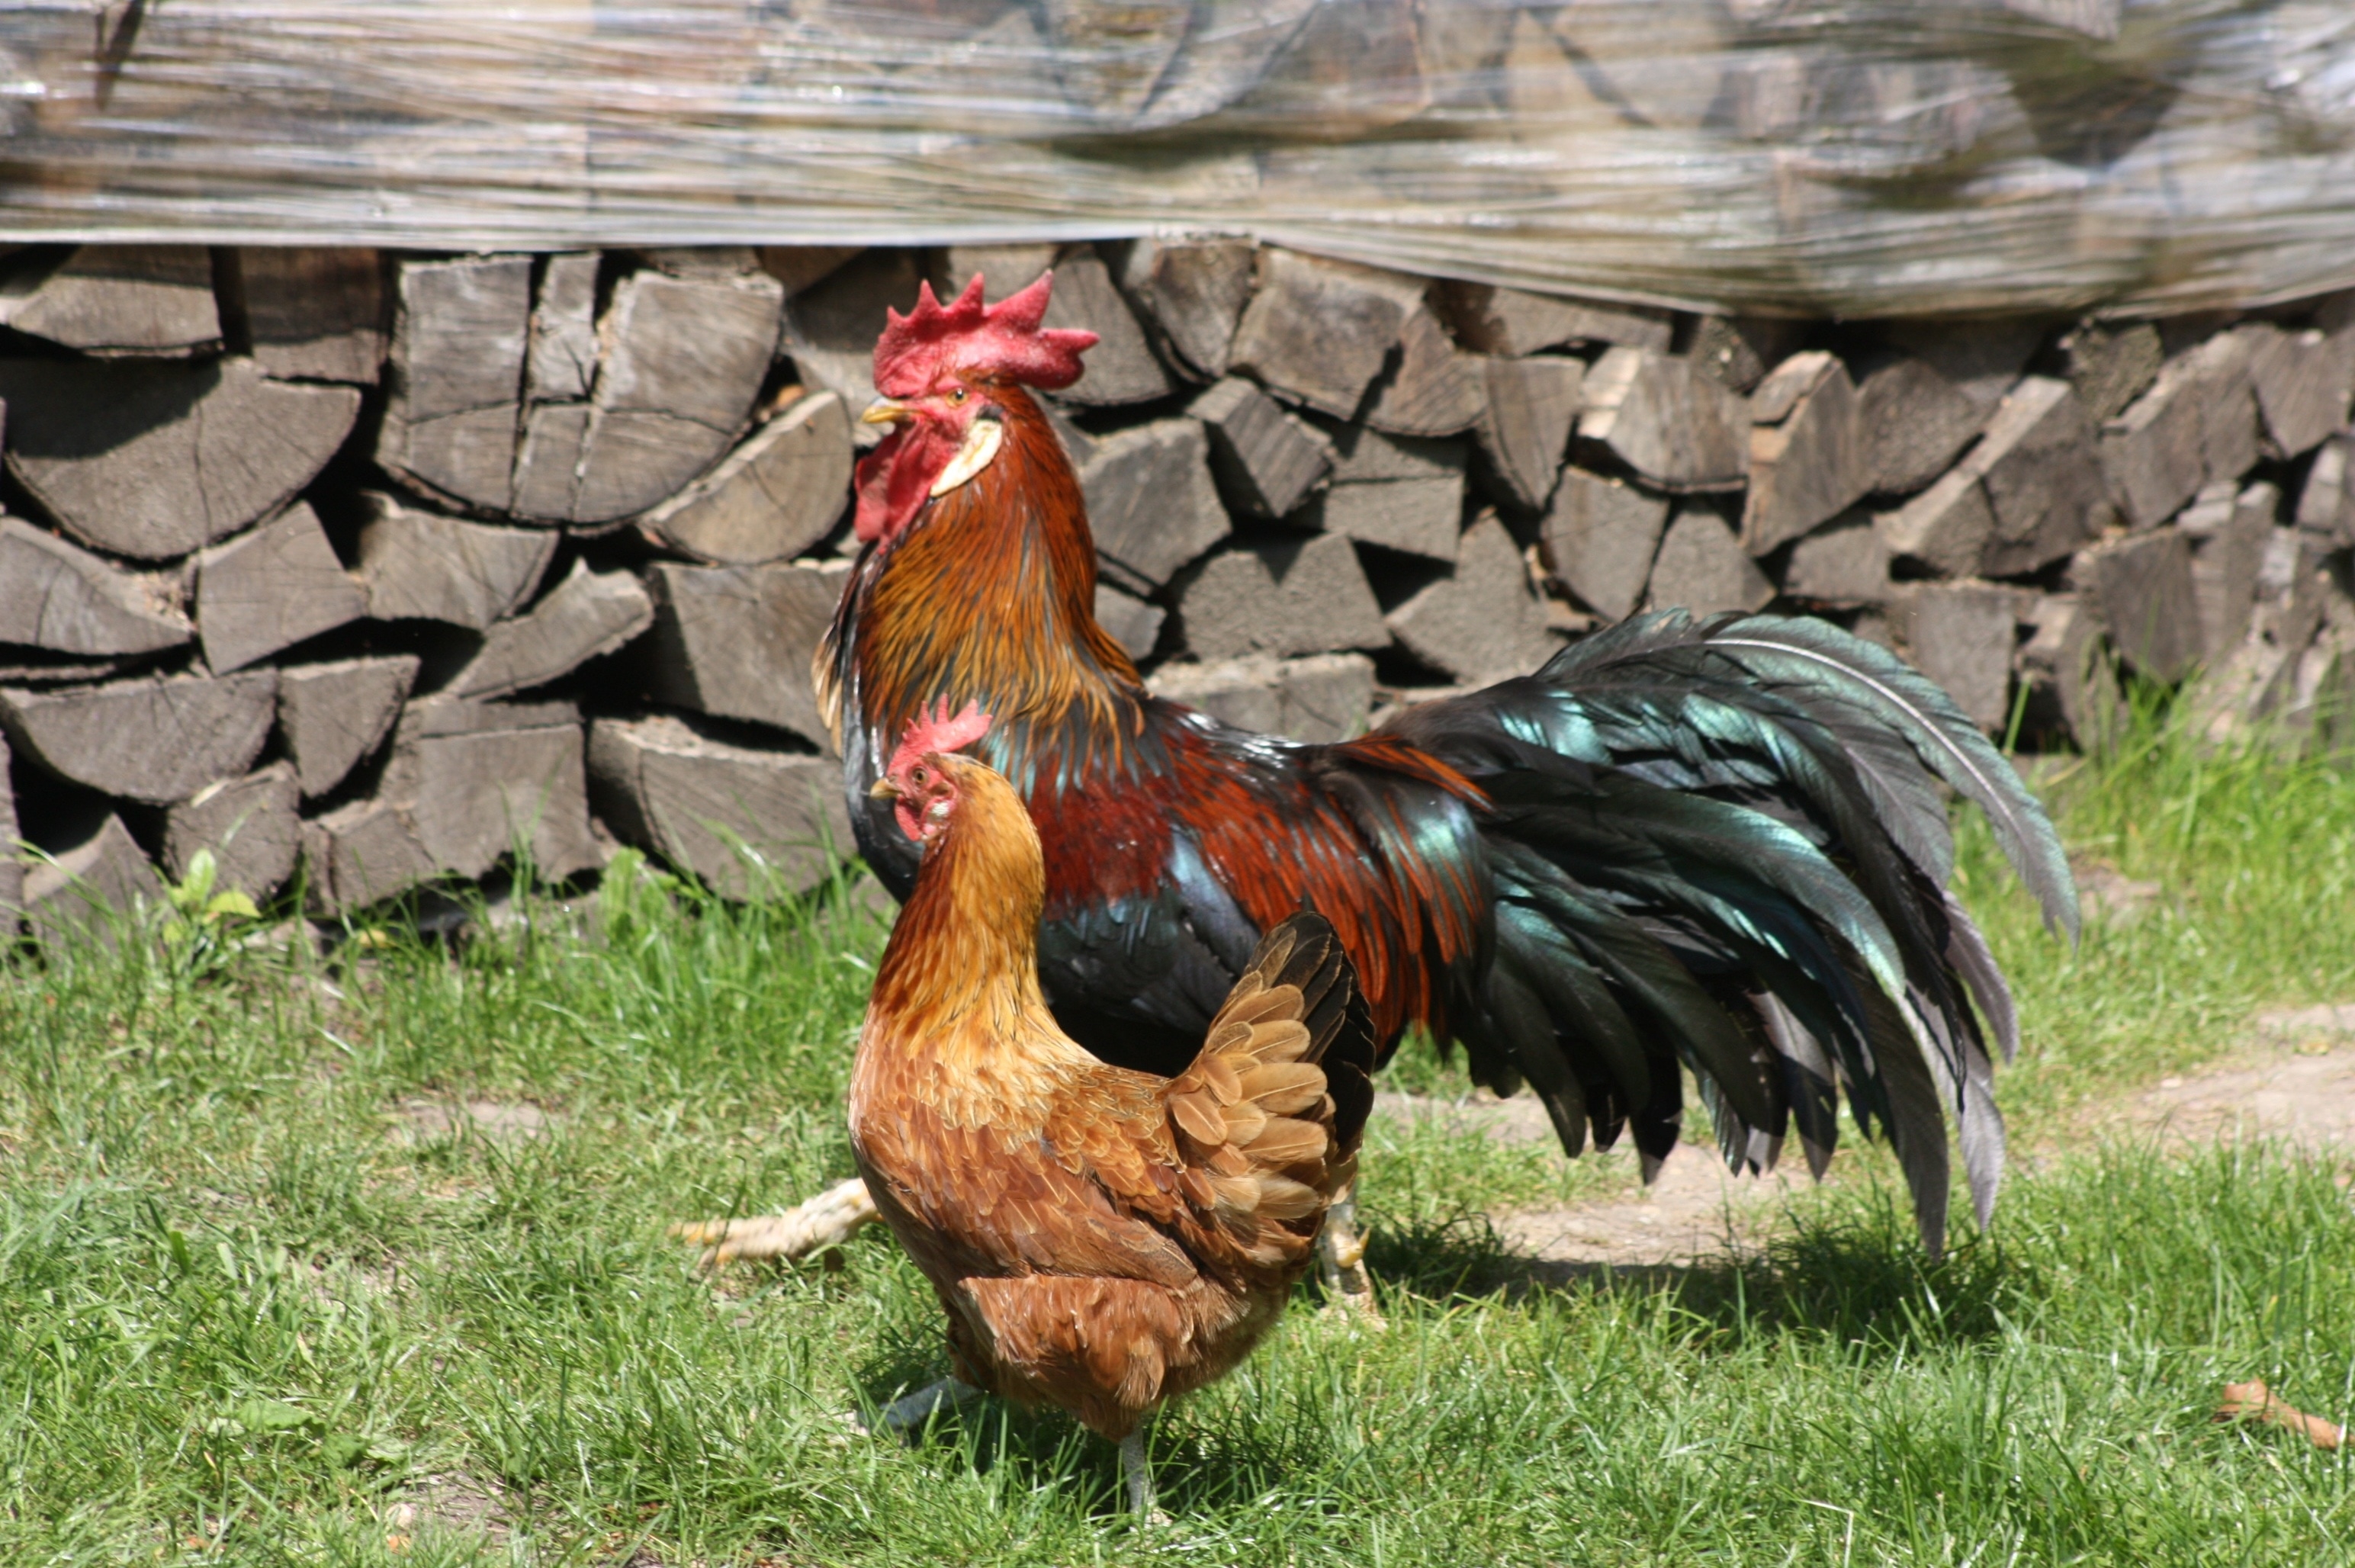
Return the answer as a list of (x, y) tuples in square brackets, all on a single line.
[(255, 1307)]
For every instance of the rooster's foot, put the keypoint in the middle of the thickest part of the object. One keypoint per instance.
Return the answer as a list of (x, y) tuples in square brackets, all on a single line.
[(1341, 1261), (828, 1219), (905, 1417)]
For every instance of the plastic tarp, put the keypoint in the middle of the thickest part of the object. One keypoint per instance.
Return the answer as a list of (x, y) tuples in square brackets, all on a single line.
[(1872, 157)]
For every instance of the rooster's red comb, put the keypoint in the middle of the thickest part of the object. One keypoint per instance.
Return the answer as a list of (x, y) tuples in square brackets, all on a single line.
[(1002, 339), (937, 732)]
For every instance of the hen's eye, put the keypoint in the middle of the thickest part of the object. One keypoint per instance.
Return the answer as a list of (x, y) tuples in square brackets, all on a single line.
[(957, 396), (921, 775)]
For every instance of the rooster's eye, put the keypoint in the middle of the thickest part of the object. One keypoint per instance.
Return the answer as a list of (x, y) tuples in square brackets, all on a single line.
[(957, 396)]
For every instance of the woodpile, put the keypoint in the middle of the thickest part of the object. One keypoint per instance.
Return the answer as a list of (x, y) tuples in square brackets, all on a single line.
[(369, 571)]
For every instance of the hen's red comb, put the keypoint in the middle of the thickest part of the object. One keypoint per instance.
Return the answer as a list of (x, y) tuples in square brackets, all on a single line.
[(1001, 339), (937, 732)]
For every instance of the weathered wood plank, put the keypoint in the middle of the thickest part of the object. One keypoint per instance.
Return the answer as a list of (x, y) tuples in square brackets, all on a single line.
[(1122, 368), (560, 356), (1134, 624), (1515, 322), (2141, 587), (85, 891), (1433, 387), (1701, 567), (1962, 635), (1320, 698), (1842, 564)]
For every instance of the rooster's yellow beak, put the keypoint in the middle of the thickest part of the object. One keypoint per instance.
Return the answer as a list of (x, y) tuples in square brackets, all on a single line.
[(883, 410), (883, 789)]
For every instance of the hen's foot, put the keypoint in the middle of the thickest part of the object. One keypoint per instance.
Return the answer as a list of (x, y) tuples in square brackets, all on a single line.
[(905, 1416), (1136, 1471), (2253, 1401), (828, 1219), (1341, 1261)]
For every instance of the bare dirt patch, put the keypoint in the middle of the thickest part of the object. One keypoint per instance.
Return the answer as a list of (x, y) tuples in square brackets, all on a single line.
[(430, 1119), (2296, 1083)]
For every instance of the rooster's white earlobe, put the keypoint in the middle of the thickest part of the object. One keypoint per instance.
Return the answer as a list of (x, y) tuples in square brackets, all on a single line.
[(981, 443)]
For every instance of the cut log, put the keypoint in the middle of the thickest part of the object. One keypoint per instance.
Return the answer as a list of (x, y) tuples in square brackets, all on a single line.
[(1319, 700), (480, 779), (1134, 624), (2218, 367), (1514, 322), (2141, 587), (735, 641), (1480, 622), (153, 461), (1737, 351), (2066, 668), (151, 741), (425, 567), (1525, 425), (777, 494), (1433, 387), (1846, 563), (2043, 483), (86, 890), (1600, 537), (118, 299), (560, 359), (2303, 381), (1362, 455), (1811, 464), (311, 313), (800, 267), (2227, 529), (1701, 567), (2111, 364), (361, 854), (2151, 453), (1305, 597), (248, 824), (748, 824), (586, 616), (55, 595), (1933, 387), (1946, 527), (1192, 294), (12, 864), (1316, 332), (271, 589), (2326, 509), (1678, 429), (700, 261), (682, 361), (1121, 368), (831, 326), (1266, 461), (1962, 635), (1412, 516), (1151, 501), (332, 714), (1003, 269), (459, 338)]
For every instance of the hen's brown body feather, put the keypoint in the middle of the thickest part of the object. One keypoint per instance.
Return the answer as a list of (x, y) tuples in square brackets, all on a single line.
[(1101, 1239)]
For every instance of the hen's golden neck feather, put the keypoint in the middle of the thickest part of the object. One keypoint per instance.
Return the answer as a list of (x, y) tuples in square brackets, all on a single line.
[(967, 940)]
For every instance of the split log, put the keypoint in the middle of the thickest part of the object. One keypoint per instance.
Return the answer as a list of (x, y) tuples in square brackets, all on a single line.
[(1515, 322), (1846, 563), (700, 260), (153, 461), (1134, 624), (361, 854), (1600, 537), (1678, 429), (2218, 367), (750, 824), (777, 494), (1930, 389), (1737, 351), (1413, 517), (735, 641), (1808, 460), (830, 327), (560, 356), (1266, 461), (1480, 622), (1191, 292), (2110, 365), (1319, 700), (2325, 502), (1701, 567), (422, 566), (12, 865), (2141, 587), (1316, 332), (1433, 387), (586, 616), (1525, 425), (1151, 501), (332, 714), (118, 299), (1003, 269), (2071, 688), (151, 741), (2151, 453), (311, 312), (1362, 455), (2303, 382), (459, 338), (2226, 530), (479, 779), (1946, 527), (1308, 596), (86, 889), (248, 824), (1963, 636), (1122, 368), (800, 267), (55, 595), (2044, 486), (271, 589)]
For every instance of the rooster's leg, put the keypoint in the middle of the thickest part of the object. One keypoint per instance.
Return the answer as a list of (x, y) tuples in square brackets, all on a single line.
[(828, 1219), (1341, 1256), (905, 1416), (1137, 1471)]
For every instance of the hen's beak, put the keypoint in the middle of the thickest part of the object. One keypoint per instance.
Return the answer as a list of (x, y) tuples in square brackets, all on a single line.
[(883, 410), (883, 789)]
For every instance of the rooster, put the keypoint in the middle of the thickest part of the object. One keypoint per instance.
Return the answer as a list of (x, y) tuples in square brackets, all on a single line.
[(1102, 1240), (1723, 842)]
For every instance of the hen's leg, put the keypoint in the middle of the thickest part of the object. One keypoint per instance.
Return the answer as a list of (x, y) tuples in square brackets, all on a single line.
[(1138, 1473), (1341, 1256), (828, 1219), (905, 1416)]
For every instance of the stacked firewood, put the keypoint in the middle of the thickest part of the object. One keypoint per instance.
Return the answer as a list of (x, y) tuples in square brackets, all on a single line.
[(369, 572)]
